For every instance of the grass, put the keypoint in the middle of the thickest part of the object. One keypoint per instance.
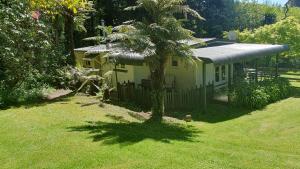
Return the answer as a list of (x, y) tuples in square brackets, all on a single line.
[(71, 133)]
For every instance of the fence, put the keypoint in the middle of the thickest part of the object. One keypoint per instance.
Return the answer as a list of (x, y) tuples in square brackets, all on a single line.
[(187, 99)]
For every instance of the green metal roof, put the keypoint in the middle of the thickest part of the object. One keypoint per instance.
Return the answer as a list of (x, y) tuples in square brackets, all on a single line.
[(229, 53), (237, 52)]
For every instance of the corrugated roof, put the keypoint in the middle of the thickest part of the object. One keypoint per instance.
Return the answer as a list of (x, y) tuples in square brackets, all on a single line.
[(103, 48), (229, 53), (93, 49), (237, 52), (126, 55), (192, 42)]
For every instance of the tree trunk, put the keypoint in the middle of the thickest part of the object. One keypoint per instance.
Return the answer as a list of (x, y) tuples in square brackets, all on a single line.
[(158, 90), (69, 30), (57, 29)]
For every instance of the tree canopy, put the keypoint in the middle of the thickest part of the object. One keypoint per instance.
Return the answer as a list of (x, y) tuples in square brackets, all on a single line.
[(157, 36), (286, 31)]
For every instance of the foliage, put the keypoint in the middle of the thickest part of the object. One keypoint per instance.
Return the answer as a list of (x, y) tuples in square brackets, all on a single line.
[(87, 81), (258, 95), (218, 14), (24, 94), (157, 36), (226, 15), (62, 6), (28, 59), (74, 13), (249, 14), (286, 31)]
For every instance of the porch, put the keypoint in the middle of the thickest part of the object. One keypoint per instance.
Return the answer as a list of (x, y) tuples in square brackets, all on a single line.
[(236, 56)]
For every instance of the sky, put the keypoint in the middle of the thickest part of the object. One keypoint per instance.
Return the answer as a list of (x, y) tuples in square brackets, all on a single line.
[(281, 2)]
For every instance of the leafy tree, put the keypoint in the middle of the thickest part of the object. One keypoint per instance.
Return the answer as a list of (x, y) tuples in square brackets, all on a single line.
[(74, 13), (28, 58), (226, 15), (286, 31), (219, 15), (157, 36)]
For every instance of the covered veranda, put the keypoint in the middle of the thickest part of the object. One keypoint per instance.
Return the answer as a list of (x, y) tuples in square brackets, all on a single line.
[(236, 53)]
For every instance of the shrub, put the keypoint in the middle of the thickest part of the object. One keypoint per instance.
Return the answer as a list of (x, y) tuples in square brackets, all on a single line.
[(259, 98), (29, 58), (258, 95), (27, 92)]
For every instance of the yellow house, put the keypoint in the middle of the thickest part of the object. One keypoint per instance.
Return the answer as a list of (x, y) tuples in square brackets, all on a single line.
[(212, 64)]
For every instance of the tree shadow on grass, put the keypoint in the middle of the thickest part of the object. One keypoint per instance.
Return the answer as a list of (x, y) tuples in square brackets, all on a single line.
[(131, 133), (296, 92), (37, 103), (216, 113)]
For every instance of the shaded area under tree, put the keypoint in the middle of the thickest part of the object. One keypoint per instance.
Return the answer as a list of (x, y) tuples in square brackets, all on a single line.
[(131, 133)]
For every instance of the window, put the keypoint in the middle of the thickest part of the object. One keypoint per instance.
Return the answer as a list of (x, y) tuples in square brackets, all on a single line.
[(87, 63), (217, 74), (223, 74), (174, 63)]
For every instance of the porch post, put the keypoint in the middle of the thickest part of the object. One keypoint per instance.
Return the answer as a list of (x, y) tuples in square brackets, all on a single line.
[(204, 88), (229, 82), (277, 58), (256, 71), (116, 74), (117, 82)]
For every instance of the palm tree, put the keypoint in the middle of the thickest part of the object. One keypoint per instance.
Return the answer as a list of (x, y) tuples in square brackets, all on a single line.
[(158, 36)]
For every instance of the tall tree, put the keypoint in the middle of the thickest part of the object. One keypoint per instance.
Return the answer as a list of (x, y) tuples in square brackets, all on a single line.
[(219, 15), (73, 11), (286, 31), (28, 57), (157, 36)]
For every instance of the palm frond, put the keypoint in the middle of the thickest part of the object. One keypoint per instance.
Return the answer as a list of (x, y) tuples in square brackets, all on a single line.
[(123, 28), (159, 29), (94, 38), (117, 37), (185, 9), (133, 8)]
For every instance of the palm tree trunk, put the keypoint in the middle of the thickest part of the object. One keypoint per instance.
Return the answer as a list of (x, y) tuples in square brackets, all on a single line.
[(158, 91)]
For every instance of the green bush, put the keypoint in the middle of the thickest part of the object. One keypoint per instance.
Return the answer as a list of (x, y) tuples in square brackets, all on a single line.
[(258, 95), (259, 98), (29, 57), (29, 91)]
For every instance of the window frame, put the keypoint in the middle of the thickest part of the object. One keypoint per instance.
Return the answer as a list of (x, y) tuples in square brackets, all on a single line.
[(223, 72), (87, 64), (217, 74), (174, 63)]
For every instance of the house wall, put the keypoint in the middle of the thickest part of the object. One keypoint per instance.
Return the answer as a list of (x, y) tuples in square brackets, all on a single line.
[(79, 59), (183, 74), (187, 74), (141, 72)]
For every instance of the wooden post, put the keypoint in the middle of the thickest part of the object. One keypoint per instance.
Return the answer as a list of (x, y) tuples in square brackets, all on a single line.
[(277, 58), (204, 88), (117, 82), (229, 82), (116, 74), (256, 71)]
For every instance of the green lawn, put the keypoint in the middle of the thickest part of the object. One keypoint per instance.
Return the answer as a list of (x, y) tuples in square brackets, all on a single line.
[(68, 134)]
